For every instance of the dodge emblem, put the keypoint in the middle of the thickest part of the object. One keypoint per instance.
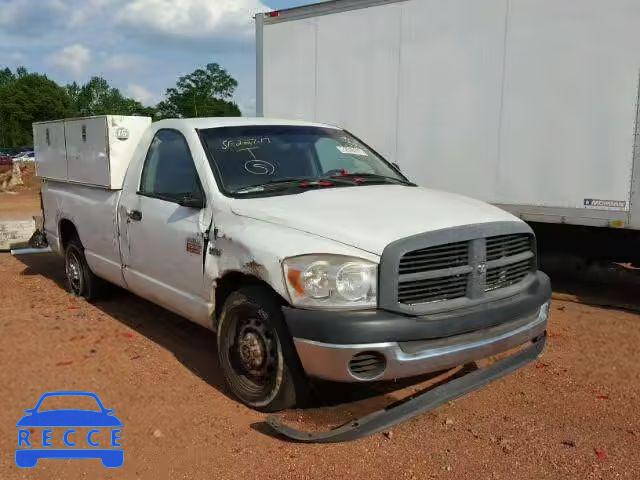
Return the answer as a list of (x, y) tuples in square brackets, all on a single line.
[(481, 268)]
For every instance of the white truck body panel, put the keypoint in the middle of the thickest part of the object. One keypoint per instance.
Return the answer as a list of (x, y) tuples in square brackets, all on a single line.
[(531, 105), (50, 150), (92, 211), (90, 151)]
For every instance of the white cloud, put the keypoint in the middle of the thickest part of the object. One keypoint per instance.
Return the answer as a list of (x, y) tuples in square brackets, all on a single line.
[(13, 56), (223, 20), (142, 94), (18, 14), (73, 59), (85, 10), (124, 62)]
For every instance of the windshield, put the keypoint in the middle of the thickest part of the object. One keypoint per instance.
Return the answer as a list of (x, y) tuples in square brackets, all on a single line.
[(263, 158)]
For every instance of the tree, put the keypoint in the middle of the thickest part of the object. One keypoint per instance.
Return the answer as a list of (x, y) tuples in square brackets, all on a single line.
[(206, 92), (97, 97), (29, 98), (6, 77), (73, 91)]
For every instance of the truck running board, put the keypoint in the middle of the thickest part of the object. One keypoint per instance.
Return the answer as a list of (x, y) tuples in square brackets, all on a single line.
[(413, 406)]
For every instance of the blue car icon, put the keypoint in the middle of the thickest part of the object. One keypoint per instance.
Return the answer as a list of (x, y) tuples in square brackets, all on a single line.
[(28, 457)]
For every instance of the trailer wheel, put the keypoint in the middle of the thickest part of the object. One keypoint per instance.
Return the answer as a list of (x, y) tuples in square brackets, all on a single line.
[(256, 353), (81, 281)]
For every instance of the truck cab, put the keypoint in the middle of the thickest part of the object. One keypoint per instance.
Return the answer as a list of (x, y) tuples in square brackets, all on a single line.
[(307, 252)]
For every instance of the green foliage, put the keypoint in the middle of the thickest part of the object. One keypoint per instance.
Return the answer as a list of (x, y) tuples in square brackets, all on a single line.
[(26, 98), (30, 97), (6, 77), (97, 97), (203, 93)]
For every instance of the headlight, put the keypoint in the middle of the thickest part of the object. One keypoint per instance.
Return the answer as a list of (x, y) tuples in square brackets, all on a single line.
[(331, 281)]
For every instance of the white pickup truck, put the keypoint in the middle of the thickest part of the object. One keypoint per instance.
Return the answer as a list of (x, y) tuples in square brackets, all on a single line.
[(309, 254)]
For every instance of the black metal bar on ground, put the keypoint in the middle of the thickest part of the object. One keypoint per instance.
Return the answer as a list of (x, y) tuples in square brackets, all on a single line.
[(387, 417)]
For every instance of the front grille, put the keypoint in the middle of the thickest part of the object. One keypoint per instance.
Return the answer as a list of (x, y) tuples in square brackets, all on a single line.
[(462, 269), (507, 245), (500, 277), (434, 258), (432, 290)]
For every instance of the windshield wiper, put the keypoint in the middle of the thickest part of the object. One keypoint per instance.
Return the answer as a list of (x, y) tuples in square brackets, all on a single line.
[(328, 181), (300, 182), (371, 177)]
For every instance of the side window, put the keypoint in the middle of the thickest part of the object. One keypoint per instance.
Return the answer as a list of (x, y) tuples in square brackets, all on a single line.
[(169, 172)]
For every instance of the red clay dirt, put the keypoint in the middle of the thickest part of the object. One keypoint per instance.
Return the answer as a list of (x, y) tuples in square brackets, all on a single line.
[(574, 414), (22, 202)]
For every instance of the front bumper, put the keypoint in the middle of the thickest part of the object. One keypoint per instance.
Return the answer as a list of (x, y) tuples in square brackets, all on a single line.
[(414, 405), (393, 346), (407, 359)]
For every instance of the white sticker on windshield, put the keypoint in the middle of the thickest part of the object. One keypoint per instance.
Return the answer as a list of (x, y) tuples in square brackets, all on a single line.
[(352, 150)]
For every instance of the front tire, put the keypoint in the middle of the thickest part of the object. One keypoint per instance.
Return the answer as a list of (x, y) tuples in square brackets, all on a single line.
[(81, 281), (256, 354)]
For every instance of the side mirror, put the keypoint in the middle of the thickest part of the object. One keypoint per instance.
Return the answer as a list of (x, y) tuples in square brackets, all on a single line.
[(190, 201), (396, 166)]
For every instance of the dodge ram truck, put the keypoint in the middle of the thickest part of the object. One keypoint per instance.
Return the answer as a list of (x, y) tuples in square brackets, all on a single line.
[(307, 252)]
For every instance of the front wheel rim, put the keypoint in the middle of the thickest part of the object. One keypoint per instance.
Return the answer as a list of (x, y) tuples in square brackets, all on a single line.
[(251, 353), (74, 272)]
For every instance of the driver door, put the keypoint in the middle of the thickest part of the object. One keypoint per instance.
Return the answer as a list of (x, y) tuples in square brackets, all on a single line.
[(163, 245)]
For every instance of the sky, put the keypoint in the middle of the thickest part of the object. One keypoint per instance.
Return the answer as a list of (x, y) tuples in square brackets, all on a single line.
[(139, 46)]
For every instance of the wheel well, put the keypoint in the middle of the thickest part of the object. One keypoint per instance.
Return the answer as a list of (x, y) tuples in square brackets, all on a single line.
[(232, 281), (68, 232)]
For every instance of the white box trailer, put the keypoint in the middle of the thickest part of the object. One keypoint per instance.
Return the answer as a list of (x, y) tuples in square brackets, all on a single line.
[(91, 150), (528, 104)]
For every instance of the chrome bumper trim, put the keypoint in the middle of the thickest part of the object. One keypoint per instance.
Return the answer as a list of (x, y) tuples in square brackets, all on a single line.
[(331, 361)]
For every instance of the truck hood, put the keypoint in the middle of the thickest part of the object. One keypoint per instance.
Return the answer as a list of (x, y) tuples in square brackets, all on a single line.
[(370, 217)]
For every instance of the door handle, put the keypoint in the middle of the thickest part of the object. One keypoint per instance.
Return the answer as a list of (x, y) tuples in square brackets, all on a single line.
[(135, 215)]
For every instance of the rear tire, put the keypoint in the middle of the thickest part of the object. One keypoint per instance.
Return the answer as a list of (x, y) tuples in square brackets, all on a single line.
[(257, 356), (81, 281)]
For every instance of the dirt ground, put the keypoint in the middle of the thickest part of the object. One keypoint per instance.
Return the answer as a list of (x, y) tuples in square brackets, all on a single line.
[(574, 414), (22, 202)]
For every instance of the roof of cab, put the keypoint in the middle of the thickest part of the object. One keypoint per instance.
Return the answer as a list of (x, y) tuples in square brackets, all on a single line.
[(216, 122)]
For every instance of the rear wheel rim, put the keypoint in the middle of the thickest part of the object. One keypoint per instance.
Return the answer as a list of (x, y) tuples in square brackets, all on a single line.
[(73, 270), (251, 354)]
